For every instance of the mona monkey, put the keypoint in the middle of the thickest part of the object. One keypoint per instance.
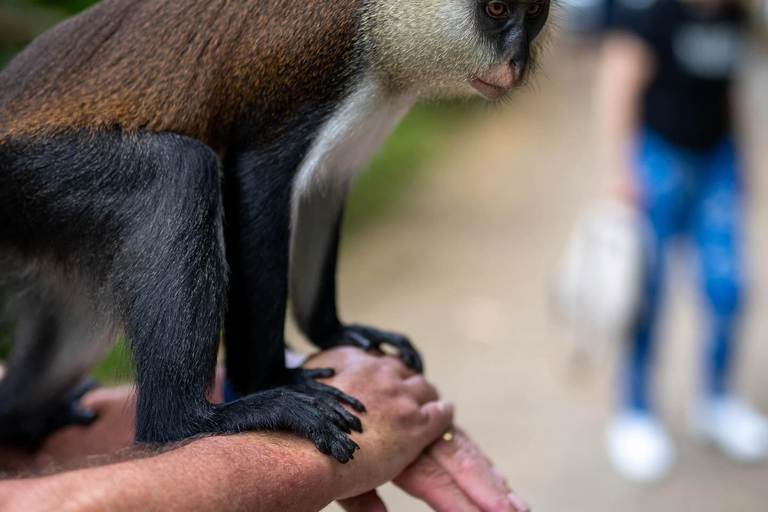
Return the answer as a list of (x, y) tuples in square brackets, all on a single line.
[(178, 169)]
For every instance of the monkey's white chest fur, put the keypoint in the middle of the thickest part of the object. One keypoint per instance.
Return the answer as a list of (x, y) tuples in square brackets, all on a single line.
[(349, 139), (345, 144)]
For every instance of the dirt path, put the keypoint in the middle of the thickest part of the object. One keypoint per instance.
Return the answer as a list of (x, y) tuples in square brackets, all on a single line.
[(464, 267)]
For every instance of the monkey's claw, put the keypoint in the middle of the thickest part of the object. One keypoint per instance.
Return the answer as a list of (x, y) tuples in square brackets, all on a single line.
[(369, 338), (300, 405), (319, 405)]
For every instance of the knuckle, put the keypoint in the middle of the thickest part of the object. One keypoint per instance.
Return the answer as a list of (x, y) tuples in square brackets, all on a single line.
[(442, 480), (410, 413), (391, 363), (469, 465), (502, 503)]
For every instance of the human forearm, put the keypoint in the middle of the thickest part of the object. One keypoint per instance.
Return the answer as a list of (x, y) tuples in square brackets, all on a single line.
[(625, 68), (259, 471), (263, 471)]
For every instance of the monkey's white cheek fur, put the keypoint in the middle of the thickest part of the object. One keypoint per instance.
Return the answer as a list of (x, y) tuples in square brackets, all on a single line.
[(430, 47)]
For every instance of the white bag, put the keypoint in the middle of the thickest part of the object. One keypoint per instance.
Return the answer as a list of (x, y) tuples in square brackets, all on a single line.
[(600, 279)]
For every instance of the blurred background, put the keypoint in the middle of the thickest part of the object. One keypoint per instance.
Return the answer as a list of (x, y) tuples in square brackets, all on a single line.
[(454, 237)]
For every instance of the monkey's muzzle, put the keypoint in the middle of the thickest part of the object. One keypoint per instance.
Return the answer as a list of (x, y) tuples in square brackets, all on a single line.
[(498, 81)]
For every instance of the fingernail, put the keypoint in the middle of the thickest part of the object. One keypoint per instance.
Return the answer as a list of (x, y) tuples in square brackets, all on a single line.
[(519, 504)]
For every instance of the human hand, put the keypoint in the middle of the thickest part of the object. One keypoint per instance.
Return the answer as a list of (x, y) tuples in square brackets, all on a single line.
[(403, 416), (450, 476), (624, 187)]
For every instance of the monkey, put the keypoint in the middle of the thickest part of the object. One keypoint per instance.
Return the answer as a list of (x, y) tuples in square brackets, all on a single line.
[(177, 170)]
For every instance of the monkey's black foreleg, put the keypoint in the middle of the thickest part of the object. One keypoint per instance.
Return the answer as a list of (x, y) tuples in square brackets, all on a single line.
[(257, 195), (137, 219), (316, 238), (168, 283)]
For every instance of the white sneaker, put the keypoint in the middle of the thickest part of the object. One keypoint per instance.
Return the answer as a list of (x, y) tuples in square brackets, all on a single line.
[(734, 426), (639, 447)]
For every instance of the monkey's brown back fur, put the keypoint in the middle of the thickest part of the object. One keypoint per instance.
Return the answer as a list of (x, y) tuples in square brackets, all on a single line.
[(193, 67)]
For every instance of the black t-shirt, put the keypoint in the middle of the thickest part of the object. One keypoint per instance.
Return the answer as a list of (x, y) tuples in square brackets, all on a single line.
[(696, 55)]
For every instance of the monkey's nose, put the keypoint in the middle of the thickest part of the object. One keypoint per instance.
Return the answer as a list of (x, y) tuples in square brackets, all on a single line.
[(519, 65)]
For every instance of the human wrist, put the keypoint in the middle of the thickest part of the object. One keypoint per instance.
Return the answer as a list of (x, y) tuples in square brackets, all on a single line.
[(262, 471), (311, 479)]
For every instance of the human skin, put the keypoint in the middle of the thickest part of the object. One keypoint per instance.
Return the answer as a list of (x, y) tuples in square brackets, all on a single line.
[(220, 473), (625, 67)]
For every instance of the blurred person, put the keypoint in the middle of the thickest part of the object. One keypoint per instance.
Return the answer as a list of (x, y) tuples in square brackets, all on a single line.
[(664, 106), (258, 471)]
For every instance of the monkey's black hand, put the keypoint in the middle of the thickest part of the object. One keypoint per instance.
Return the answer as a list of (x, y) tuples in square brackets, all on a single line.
[(71, 411), (300, 405), (320, 415), (68, 412), (369, 338)]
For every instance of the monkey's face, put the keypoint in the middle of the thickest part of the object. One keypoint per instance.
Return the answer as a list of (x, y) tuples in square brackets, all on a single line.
[(510, 27), (454, 47)]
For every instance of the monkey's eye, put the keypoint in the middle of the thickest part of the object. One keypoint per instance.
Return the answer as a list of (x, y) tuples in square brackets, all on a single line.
[(533, 9), (497, 9)]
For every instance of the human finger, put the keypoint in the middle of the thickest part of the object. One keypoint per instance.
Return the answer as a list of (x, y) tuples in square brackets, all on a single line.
[(427, 481), (475, 474), (437, 419), (421, 389), (368, 502)]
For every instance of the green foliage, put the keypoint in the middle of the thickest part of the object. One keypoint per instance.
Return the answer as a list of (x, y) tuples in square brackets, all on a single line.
[(65, 6), (419, 138), (117, 366)]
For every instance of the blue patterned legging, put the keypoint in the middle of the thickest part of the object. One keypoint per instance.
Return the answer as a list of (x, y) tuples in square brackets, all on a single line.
[(696, 194)]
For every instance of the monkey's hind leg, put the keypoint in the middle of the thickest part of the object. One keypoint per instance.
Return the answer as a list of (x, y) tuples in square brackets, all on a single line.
[(314, 258), (44, 379)]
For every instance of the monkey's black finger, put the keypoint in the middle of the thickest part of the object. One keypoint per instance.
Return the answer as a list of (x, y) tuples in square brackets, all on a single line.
[(358, 340), (71, 413), (343, 397), (339, 422), (407, 354), (337, 445), (352, 421), (326, 407), (412, 360), (348, 447), (81, 416), (81, 388), (342, 453), (320, 373), (323, 445)]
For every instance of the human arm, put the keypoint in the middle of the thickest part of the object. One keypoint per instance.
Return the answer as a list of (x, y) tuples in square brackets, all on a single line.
[(625, 67), (263, 471), (258, 471)]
